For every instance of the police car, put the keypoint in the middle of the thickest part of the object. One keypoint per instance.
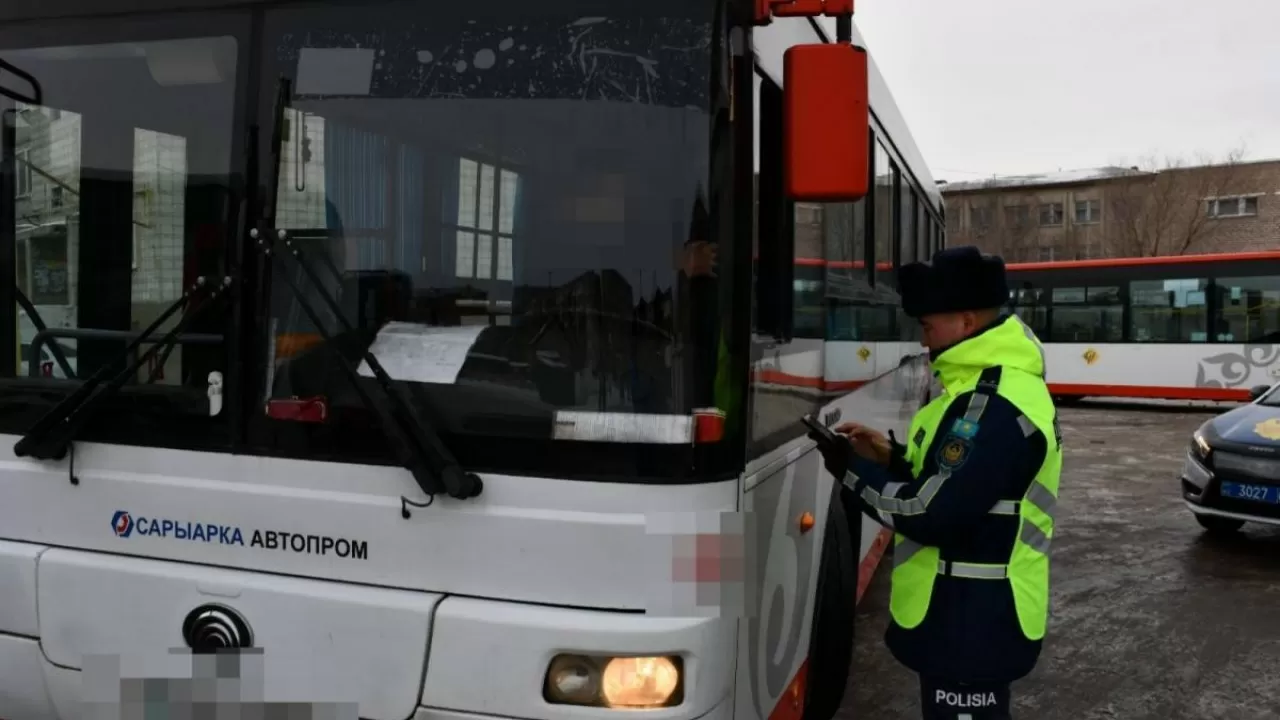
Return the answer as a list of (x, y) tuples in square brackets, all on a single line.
[(1231, 473)]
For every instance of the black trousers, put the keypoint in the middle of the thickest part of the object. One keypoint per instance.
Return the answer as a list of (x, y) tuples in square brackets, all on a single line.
[(943, 700)]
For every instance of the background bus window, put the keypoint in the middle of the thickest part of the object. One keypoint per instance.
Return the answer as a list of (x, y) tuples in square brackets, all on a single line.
[(1029, 304), (1086, 315), (1168, 310), (1248, 309)]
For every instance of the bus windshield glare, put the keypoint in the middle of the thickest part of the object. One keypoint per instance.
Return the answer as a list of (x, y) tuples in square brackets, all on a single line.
[(533, 176)]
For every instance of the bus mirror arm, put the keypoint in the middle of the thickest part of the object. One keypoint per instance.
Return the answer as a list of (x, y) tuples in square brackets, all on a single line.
[(419, 449), (35, 97)]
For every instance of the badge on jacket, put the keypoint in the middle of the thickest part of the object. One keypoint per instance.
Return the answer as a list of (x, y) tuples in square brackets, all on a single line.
[(954, 452), (964, 428)]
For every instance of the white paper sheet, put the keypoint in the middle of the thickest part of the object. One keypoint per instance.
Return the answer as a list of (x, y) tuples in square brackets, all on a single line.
[(420, 353)]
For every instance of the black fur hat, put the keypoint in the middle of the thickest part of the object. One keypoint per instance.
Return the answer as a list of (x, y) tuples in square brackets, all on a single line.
[(958, 279)]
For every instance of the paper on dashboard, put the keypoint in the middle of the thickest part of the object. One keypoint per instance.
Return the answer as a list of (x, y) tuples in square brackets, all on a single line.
[(422, 353)]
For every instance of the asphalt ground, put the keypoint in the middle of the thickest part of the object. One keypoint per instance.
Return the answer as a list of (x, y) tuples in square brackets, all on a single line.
[(1150, 617)]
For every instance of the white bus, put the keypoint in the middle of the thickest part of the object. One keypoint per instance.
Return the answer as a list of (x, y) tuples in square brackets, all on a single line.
[(1183, 327), (572, 482)]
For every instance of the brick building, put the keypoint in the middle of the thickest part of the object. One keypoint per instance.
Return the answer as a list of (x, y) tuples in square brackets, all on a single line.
[(1119, 212)]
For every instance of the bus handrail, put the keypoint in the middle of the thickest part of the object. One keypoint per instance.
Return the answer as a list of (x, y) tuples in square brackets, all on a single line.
[(46, 335)]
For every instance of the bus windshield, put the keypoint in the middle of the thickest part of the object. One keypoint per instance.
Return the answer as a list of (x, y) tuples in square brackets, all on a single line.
[(530, 182)]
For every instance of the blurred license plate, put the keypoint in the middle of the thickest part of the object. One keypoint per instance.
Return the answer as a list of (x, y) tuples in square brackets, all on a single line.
[(1256, 493)]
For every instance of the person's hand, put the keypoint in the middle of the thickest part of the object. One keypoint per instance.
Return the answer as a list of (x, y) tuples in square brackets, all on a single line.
[(834, 458), (698, 259), (868, 443)]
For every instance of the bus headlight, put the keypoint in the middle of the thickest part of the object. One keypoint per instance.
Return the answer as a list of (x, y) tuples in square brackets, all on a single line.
[(615, 682)]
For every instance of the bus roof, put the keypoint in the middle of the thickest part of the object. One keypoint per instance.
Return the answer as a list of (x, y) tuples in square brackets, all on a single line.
[(1145, 261)]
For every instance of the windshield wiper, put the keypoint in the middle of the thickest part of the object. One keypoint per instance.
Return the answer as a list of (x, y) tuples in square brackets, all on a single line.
[(51, 435), (417, 446)]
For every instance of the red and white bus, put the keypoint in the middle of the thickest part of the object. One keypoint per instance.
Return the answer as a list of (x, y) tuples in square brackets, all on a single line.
[(388, 369), (1187, 327)]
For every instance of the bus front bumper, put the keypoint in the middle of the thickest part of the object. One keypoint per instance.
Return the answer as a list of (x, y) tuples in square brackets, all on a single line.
[(491, 659)]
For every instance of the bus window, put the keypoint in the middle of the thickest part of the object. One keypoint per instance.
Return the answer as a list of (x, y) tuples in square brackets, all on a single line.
[(924, 229), (1086, 315), (1168, 310), (1248, 309), (119, 206), (808, 283), (886, 181), (1029, 304), (846, 278), (908, 213)]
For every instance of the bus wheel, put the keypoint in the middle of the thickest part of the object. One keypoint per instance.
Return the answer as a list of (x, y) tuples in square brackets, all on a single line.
[(831, 640)]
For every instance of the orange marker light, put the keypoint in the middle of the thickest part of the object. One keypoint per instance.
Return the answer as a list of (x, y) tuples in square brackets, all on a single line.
[(806, 522)]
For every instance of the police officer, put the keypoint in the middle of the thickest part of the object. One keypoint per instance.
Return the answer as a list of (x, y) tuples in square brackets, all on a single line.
[(970, 496)]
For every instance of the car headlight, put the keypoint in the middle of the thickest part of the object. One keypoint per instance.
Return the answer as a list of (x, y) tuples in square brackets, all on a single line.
[(1199, 446), (615, 682)]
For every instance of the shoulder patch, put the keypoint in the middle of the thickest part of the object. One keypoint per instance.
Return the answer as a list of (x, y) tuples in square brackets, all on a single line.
[(954, 452), (919, 437), (964, 428)]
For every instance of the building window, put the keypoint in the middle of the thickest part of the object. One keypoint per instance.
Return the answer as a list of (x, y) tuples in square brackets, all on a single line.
[(1231, 207), (55, 199), (979, 218), (1088, 211), (486, 221), (1051, 214), (1046, 254), (1017, 216), (23, 170)]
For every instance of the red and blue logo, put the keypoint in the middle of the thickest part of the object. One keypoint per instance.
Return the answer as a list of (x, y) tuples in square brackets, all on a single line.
[(122, 524)]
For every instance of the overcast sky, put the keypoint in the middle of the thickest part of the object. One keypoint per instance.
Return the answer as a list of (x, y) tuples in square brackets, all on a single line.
[(1026, 86)]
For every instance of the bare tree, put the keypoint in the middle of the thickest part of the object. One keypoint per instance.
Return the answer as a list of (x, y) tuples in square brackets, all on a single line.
[(1161, 208)]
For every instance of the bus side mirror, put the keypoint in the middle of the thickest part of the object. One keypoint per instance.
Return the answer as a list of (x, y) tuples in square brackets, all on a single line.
[(826, 123), (1258, 391)]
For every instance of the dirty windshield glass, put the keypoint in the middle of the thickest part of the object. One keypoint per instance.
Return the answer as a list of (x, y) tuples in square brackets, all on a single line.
[(512, 194)]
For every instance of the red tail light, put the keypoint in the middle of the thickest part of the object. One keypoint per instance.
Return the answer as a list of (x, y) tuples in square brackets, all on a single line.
[(305, 410), (708, 425)]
